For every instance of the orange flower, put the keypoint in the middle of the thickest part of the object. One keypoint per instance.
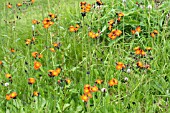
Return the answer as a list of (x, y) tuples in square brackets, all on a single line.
[(27, 41), (82, 3), (31, 80), (13, 95), (12, 50), (35, 93), (71, 29), (52, 15), (18, 4), (137, 48), (98, 81), (52, 49), (120, 66), (34, 54), (37, 65), (120, 14), (86, 90), (94, 89), (58, 70), (8, 75), (155, 31), (32, 1), (68, 81), (133, 32), (143, 53), (138, 29), (87, 86), (9, 5), (148, 48), (99, 2), (89, 95), (8, 97), (152, 35), (138, 52), (1, 63), (113, 82), (139, 64), (84, 98)]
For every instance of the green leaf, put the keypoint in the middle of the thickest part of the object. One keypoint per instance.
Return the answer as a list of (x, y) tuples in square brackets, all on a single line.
[(65, 106), (79, 108)]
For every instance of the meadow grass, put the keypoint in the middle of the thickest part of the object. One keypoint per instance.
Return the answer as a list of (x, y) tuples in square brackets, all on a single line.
[(83, 60)]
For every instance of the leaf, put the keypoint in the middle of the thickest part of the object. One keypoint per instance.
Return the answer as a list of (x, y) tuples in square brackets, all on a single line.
[(65, 106), (104, 28), (79, 108)]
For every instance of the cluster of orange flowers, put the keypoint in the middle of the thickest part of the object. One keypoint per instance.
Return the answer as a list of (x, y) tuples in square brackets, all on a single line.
[(88, 90), (85, 8), (120, 66), (30, 41), (37, 55), (93, 35), (138, 29), (74, 29), (155, 32), (139, 51), (47, 22), (9, 5), (10, 96), (53, 73), (55, 46), (114, 33), (112, 22)]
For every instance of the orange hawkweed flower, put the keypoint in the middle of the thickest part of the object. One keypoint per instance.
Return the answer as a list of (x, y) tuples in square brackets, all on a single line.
[(52, 49), (118, 32), (12, 50), (18, 4), (120, 14), (9, 5), (37, 65), (155, 31), (87, 86), (87, 90), (8, 97), (31, 80), (68, 81), (120, 65), (82, 3), (143, 53), (58, 70), (1, 62), (113, 82), (139, 64), (84, 98), (94, 89), (13, 95), (34, 54), (89, 95), (8, 75), (152, 35), (71, 29), (148, 48), (32, 1), (98, 81), (35, 93), (27, 41), (52, 15), (133, 32), (99, 2), (138, 29)]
